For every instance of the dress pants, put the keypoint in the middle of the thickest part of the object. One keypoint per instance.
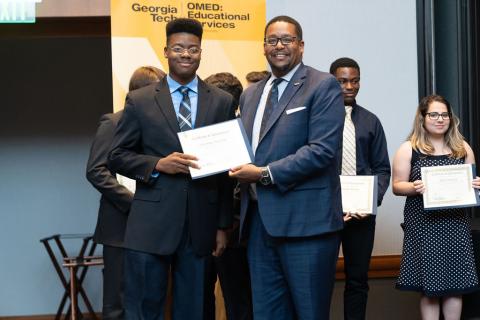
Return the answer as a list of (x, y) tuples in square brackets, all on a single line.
[(357, 245), (292, 278), (232, 270), (112, 283), (146, 279)]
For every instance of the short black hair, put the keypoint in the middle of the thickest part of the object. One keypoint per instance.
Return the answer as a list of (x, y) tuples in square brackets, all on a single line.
[(187, 25), (344, 62), (227, 82), (255, 76), (288, 19)]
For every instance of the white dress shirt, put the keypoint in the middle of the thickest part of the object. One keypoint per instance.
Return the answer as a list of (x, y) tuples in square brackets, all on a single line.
[(263, 101)]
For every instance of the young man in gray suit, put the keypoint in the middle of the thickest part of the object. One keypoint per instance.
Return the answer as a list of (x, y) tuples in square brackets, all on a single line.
[(291, 203), (174, 222)]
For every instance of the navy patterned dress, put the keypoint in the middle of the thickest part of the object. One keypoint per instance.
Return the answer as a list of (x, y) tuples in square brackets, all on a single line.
[(437, 257)]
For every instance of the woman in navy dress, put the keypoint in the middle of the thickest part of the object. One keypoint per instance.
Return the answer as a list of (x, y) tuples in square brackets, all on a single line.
[(437, 258)]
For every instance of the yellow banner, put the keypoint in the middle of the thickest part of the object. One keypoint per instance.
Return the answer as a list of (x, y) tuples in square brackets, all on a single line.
[(232, 39)]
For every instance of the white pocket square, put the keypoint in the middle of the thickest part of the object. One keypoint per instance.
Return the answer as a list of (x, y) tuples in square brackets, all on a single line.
[(290, 111)]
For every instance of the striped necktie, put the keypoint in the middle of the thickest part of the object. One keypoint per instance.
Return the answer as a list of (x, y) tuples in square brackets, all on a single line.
[(349, 157), (185, 111), (272, 101)]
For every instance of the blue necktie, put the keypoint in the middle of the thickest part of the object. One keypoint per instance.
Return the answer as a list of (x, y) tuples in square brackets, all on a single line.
[(185, 111), (272, 101)]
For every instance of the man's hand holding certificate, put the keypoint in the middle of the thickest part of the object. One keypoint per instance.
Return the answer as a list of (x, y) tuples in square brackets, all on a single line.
[(217, 148), (449, 187)]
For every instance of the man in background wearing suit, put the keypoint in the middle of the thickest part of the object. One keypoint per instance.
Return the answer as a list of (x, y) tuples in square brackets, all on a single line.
[(291, 203), (115, 201), (364, 153), (174, 222), (232, 266)]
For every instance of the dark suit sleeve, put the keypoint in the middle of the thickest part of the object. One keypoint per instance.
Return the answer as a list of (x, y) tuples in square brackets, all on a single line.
[(325, 133), (379, 160), (98, 173), (240, 104), (125, 156), (225, 217)]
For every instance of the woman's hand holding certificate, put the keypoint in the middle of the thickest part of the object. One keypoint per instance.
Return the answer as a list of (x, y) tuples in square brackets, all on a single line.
[(450, 187)]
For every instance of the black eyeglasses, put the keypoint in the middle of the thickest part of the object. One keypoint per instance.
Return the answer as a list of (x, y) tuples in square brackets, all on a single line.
[(436, 115), (284, 40), (181, 50)]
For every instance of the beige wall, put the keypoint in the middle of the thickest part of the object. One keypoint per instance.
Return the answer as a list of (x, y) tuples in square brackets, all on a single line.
[(73, 8)]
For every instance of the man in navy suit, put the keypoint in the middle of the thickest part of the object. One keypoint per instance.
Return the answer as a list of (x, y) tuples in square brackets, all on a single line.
[(291, 202), (175, 222)]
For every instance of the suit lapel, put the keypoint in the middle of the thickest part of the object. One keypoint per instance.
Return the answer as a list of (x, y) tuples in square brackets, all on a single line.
[(248, 117), (165, 104), (203, 105), (292, 87)]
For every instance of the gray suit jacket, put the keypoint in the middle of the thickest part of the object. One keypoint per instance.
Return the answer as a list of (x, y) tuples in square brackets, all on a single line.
[(302, 148), (116, 199)]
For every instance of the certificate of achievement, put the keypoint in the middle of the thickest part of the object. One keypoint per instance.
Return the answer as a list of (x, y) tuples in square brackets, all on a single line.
[(449, 187), (359, 194), (218, 147)]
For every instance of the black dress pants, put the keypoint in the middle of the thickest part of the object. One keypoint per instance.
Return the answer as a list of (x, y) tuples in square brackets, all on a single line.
[(232, 270), (357, 245), (112, 283)]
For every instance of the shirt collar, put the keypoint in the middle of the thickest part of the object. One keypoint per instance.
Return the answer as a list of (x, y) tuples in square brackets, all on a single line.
[(353, 105), (354, 109), (286, 77), (174, 85)]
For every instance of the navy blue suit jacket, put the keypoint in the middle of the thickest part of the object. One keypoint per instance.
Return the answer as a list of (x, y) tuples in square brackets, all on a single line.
[(302, 149), (147, 132)]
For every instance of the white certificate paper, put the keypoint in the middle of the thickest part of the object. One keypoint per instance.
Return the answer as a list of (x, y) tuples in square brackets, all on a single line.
[(449, 187), (359, 194), (218, 147), (128, 183)]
